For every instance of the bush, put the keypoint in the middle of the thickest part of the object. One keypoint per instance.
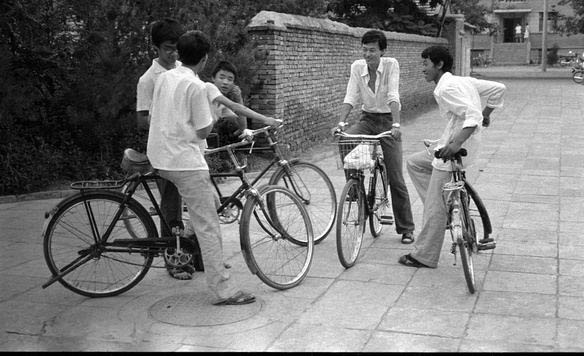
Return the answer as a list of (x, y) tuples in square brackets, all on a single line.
[(552, 54)]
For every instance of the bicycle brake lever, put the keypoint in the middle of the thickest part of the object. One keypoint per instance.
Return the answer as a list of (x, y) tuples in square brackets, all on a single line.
[(251, 147)]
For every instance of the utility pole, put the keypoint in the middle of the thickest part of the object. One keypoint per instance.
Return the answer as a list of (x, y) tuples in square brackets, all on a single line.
[(544, 37)]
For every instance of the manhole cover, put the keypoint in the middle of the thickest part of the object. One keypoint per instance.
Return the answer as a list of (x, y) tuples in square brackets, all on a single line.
[(195, 309)]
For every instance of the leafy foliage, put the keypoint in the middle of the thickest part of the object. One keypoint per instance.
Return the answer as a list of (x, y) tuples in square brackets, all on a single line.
[(70, 69), (573, 24)]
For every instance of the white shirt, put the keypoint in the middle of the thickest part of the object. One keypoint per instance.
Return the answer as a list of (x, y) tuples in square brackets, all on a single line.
[(180, 107), (386, 86), (459, 101), (146, 83)]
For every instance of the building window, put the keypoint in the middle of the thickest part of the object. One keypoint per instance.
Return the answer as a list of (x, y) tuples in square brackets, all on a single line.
[(552, 21)]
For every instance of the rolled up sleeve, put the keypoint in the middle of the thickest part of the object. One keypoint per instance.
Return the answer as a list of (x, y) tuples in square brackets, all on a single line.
[(492, 91), (352, 96), (393, 84)]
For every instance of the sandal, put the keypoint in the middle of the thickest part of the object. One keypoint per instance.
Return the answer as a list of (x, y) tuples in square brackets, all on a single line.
[(238, 298), (409, 261), (184, 274), (407, 238)]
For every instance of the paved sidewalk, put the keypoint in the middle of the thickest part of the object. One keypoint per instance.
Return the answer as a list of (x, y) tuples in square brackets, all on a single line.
[(530, 288)]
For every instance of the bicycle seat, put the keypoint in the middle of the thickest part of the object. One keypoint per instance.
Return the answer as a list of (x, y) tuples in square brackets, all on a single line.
[(135, 162), (457, 156)]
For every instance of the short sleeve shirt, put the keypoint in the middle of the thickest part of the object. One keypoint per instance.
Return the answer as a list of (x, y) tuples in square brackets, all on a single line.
[(180, 107), (146, 83)]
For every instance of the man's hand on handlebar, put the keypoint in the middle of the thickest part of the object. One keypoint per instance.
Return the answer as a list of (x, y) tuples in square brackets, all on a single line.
[(247, 134), (339, 128)]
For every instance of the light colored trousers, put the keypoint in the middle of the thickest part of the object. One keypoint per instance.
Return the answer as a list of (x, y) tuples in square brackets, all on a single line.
[(198, 193), (428, 182)]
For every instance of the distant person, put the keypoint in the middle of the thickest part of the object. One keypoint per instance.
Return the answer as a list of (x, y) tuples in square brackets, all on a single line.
[(459, 100), (526, 33), (518, 35)]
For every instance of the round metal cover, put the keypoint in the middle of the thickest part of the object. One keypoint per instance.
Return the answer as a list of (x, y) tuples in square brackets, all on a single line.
[(195, 309)]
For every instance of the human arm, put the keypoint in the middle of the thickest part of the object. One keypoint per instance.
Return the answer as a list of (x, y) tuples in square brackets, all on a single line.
[(235, 95), (143, 119), (493, 92), (393, 98), (242, 110), (456, 142), (144, 93)]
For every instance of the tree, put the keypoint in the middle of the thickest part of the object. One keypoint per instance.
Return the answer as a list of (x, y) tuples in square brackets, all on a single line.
[(474, 13), (573, 24)]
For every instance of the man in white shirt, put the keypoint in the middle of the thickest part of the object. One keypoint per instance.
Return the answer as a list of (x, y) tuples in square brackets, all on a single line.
[(181, 120), (459, 101), (374, 82)]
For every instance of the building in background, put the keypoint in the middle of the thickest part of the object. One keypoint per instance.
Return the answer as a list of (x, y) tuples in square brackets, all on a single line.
[(499, 47)]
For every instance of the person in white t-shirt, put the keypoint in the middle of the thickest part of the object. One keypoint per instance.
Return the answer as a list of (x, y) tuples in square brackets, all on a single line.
[(180, 121)]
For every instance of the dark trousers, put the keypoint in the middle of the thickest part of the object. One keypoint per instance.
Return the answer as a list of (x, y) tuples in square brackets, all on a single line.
[(170, 205), (372, 124)]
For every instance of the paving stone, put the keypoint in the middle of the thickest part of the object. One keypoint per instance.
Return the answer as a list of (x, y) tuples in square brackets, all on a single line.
[(571, 285), (498, 346), (516, 304), (380, 273), (321, 338), (424, 321), (447, 299), (383, 341), (512, 329), (510, 263), (570, 335), (572, 209), (572, 267), (571, 307), (520, 282)]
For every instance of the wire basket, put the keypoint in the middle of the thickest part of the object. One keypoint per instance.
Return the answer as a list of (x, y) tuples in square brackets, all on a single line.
[(358, 154)]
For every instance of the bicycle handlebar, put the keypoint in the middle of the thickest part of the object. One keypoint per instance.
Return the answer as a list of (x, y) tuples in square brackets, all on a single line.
[(245, 141), (372, 137)]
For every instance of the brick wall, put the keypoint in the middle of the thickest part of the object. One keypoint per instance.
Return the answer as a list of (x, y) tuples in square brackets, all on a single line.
[(307, 70)]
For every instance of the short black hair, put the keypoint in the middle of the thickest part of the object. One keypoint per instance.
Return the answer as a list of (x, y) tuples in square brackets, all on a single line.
[(439, 54), (375, 36), (166, 30), (192, 46), (226, 66)]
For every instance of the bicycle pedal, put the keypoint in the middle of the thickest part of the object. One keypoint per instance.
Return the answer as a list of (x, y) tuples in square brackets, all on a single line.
[(487, 246), (486, 240), (386, 220)]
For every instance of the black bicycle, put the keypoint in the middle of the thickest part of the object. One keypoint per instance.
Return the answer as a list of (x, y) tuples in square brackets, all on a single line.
[(101, 242), (310, 183), (468, 220), (363, 158)]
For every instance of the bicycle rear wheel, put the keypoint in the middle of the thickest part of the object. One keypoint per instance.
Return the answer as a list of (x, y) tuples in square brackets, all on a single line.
[(276, 237), (379, 200), (315, 190), (350, 223), (72, 237)]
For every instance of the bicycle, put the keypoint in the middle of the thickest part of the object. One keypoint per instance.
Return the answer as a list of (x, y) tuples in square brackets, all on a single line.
[(310, 183), (467, 217), (578, 74), (362, 156), (90, 251)]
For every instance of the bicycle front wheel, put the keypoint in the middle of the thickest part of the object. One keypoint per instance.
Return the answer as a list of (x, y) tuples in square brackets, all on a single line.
[(578, 77), (276, 237), (467, 266), (72, 240), (316, 191), (350, 223), (379, 202), (478, 214)]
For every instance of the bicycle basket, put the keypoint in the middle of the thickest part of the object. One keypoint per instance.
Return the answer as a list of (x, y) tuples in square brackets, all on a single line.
[(359, 154)]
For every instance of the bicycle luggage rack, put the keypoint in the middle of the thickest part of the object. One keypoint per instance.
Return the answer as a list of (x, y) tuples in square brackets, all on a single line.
[(97, 184)]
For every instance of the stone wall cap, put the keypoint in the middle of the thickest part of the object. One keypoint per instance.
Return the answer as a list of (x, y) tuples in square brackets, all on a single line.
[(280, 21)]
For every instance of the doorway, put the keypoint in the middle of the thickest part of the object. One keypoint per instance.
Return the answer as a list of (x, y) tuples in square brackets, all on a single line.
[(509, 28)]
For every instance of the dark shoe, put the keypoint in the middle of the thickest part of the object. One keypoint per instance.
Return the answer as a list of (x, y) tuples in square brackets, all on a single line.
[(238, 299), (407, 238), (409, 261)]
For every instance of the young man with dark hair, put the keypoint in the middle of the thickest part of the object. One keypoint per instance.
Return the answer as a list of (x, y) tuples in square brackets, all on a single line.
[(459, 100), (164, 34), (229, 125), (374, 82), (181, 120)]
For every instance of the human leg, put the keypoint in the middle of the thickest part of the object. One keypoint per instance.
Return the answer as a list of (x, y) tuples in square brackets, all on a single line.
[(419, 166), (196, 189), (430, 239)]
